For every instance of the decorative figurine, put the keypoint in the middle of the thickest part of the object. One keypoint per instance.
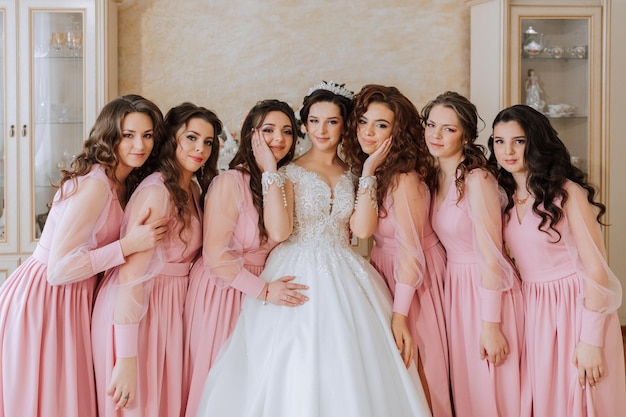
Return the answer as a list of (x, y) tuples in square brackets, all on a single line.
[(533, 91)]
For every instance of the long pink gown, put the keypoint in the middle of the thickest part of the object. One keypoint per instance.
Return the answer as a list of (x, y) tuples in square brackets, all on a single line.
[(154, 299), (408, 254), (480, 284), (232, 260), (45, 306), (553, 285)]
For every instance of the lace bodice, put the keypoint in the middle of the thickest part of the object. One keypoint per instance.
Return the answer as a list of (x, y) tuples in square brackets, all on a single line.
[(322, 214)]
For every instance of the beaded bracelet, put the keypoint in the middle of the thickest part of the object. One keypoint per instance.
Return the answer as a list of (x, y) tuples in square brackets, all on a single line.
[(368, 185), (269, 178)]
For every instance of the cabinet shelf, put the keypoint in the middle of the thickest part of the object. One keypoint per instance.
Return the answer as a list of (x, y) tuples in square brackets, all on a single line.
[(552, 58), (572, 117), (53, 122), (59, 58)]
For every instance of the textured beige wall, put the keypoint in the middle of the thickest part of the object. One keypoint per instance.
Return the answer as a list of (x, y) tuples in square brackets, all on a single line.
[(228, 54)]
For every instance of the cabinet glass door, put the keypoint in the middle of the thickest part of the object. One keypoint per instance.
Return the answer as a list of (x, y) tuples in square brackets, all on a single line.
[(3, 136), (556, 67), (555, 76), (8, 130), (57, 107)]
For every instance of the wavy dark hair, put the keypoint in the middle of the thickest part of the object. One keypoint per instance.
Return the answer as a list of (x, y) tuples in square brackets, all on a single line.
[(408, 150), (103, 141), (175, 119), (473, 153), (244, 160), (549, 166)]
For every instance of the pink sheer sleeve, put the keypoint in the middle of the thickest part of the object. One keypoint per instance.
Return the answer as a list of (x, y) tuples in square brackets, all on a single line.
[(485, 209), (222, 251), (602, 291), (411, 202), (134, 280), (74, 251)]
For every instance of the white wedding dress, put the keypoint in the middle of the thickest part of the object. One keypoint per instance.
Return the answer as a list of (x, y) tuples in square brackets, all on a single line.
[(334, 355)]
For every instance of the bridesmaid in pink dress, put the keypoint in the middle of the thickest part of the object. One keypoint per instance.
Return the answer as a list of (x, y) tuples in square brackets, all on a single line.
[(386, 148), (246, 215), (45, 306), (138, 313), (552, 227), (483, 305)]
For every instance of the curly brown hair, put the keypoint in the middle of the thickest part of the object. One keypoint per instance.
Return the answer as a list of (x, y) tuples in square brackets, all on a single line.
[(408, 150), (103, 141), (473, 153), (244, 160), (176, 118)]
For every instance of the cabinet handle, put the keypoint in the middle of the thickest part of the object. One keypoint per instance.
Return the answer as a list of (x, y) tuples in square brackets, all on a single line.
[(24, 131), (12, 131)]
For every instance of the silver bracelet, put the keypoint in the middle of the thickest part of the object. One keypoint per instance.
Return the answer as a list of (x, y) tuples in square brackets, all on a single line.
[(368, 185), (269, 178)]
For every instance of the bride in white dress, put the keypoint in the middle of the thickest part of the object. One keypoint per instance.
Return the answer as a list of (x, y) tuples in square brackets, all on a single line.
[(335, 355)]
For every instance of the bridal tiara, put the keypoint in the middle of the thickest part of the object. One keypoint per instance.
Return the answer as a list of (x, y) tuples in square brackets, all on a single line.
[(333, 87)]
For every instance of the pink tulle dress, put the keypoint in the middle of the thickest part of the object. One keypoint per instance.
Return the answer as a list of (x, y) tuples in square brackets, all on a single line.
[(46, 367), (232, 261), (554, 282), (480, 285), (408, 254), (146, 296)]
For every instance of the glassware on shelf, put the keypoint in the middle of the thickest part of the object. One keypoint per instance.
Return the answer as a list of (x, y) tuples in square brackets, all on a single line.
[(577, 51), (532, 42), (555, 52), (75, 43), (58, 41), (62, 112)]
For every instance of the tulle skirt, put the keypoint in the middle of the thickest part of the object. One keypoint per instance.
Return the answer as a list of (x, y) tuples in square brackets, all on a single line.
[(333, 356)]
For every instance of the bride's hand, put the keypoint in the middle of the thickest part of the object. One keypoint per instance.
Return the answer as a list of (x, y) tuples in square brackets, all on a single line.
[(284, 292)]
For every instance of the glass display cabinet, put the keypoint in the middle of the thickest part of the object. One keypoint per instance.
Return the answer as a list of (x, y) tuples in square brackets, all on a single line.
[(555, 65), (551, 55), (58, 69), (58, 102)]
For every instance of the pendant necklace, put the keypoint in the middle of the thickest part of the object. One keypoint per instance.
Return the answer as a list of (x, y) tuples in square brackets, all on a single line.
[(520, 200)]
